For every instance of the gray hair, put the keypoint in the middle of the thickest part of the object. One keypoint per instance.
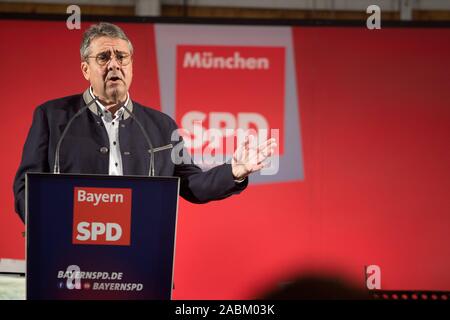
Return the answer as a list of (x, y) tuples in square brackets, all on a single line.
[(102, 29)]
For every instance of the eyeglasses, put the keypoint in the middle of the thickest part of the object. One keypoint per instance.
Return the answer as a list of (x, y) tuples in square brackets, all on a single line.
[(104, 57)]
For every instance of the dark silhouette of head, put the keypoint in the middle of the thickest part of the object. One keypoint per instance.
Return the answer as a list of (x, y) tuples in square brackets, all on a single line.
[(317, 287)]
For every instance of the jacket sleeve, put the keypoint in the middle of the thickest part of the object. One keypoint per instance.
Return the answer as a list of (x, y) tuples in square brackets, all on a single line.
[(34, 158), (199, 186)]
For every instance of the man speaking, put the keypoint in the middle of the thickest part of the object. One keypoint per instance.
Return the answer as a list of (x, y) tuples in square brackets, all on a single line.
[(113, 134)]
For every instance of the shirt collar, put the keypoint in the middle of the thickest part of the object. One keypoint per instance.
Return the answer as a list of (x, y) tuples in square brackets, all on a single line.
[(103, 109)]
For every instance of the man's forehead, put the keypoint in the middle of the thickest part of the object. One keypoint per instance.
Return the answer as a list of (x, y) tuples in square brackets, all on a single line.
[(106, 43)]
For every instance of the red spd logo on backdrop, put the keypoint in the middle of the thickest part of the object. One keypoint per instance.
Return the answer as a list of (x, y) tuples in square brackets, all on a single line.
[(220, 89), (101, 216)]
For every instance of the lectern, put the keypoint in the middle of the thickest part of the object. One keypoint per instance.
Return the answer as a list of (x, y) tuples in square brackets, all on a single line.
[(100, 236)]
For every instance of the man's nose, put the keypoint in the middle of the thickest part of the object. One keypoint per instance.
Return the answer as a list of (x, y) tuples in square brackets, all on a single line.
[(113, 64)]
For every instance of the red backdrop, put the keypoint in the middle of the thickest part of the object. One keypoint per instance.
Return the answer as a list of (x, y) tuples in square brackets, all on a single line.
[(375, 131)]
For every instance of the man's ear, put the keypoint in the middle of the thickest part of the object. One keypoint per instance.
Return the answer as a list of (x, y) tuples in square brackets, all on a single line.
[(85, 70)]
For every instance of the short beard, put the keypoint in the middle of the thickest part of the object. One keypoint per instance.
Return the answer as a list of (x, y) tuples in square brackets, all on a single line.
[(115, 95)]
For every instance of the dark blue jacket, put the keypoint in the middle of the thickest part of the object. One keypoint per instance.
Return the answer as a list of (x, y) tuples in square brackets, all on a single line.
[(84, 150)]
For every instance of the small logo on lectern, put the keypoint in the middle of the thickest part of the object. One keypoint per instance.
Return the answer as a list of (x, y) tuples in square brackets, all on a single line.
[(101, 216)]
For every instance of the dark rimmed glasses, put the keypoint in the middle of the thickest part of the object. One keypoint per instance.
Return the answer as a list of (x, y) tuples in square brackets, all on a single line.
[(103, 58)]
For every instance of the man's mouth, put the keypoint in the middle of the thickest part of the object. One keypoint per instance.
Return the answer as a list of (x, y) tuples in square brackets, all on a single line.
[(114, 79)]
